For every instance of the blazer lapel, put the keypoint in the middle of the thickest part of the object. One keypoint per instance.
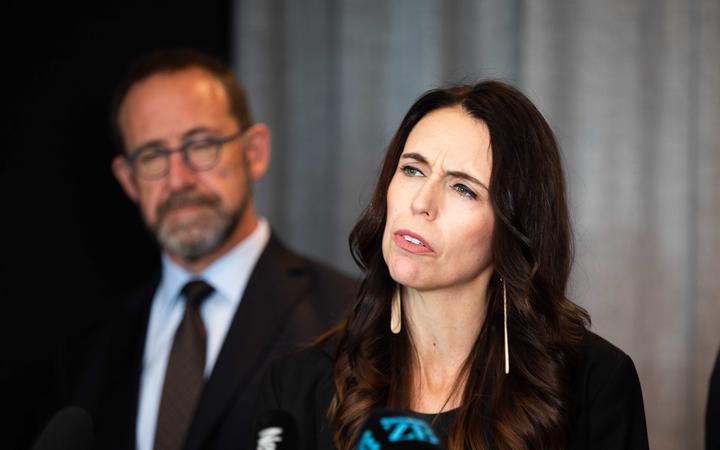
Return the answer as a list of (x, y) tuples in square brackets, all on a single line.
[(275, 286)]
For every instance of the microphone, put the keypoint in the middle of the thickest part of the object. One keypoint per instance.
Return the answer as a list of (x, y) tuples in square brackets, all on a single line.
[(276, 430), (69, 429), (387, 429)]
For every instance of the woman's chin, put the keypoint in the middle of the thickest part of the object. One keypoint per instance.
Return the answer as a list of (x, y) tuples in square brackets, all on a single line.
[(407, 274)]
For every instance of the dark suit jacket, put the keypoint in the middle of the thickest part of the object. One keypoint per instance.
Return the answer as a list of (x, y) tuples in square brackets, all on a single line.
[(712, 412), (610, 413), (288, 301)]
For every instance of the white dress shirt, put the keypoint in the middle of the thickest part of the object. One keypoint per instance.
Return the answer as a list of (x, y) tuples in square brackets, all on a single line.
[(228, 276)]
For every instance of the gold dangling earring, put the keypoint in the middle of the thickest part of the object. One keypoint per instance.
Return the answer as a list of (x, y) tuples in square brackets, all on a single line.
[(507, 350), (396, 312)]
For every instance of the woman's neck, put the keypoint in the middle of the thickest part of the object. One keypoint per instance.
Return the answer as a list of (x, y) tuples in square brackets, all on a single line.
[(444, 326)]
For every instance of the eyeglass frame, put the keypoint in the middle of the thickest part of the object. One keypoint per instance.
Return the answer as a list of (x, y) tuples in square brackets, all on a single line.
[(166, 152)]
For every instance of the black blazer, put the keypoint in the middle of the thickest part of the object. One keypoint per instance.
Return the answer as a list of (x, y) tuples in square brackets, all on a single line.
[(610, 413), (288, 301), (712, 411)]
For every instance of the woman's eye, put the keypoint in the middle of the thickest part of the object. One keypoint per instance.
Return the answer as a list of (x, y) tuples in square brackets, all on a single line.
[(411, 171), (465, 191)]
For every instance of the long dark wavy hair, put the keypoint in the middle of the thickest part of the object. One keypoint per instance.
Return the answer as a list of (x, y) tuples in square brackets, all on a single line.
[(531, 407)]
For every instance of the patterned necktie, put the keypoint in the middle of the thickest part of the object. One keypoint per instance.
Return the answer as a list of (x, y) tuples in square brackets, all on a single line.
[(184, 373)]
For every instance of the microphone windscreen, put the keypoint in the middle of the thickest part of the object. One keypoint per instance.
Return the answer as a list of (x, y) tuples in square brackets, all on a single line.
[(386, 429), (69, 429), (276, 430)]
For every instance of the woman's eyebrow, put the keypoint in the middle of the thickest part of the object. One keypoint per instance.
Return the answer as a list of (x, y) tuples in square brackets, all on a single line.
[(465, 176), (453, 173), (416, 156)]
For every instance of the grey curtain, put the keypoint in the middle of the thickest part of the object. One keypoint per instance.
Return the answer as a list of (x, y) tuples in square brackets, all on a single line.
[(632, 89)]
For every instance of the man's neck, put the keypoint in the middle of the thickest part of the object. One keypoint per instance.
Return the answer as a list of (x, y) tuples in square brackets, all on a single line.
[(244, 229)]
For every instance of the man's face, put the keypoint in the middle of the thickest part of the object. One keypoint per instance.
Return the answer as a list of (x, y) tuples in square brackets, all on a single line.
[(192, 213)]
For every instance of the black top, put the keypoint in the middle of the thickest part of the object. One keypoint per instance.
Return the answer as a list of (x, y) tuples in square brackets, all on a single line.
[(440, 422), (610, 413)]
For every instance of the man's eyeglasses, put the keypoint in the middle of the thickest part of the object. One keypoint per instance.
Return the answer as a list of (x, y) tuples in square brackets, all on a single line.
[(152, 163)]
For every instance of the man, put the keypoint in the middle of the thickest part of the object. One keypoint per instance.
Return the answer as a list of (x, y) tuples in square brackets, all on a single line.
[(180, 363), (712, 409)]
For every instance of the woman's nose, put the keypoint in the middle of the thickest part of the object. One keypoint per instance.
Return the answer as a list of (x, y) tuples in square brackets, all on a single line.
[(426, 199)]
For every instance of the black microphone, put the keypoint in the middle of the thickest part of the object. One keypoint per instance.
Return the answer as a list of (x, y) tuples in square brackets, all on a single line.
[(386, 429), (69, 429), (276, 430)]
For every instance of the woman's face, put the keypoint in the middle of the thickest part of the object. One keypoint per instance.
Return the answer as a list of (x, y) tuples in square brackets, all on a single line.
[(439, 219)]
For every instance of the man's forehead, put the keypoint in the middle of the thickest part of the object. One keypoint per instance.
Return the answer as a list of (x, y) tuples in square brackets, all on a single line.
[(185, 84), (167, 105)]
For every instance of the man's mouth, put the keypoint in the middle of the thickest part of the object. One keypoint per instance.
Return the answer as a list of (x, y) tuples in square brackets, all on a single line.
[(186, 201)]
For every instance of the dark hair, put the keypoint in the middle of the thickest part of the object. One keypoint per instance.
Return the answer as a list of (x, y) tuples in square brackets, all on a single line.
[(175, 60), (532, 406)]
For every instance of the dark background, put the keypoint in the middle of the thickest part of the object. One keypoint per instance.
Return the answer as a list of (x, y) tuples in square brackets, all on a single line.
[(71, 240)]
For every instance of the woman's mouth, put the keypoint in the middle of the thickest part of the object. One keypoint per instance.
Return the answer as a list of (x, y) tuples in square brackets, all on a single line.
[(412, 242)]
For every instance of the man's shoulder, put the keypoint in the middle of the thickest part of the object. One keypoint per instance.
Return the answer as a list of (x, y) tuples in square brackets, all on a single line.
[(303, 385), (126, 308), (600, 356), (316, 358), (605, 370), (307, 370), (321, 274), (127, 304), (137, 295), (610, 411)]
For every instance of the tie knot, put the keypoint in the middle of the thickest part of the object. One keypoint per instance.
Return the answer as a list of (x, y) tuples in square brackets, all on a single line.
[(196, 291)]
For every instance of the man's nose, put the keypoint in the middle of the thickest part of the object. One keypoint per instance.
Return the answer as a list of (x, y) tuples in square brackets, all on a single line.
[(179, 173)]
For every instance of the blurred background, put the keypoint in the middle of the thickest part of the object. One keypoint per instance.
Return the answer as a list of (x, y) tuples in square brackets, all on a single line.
[(631, 88)]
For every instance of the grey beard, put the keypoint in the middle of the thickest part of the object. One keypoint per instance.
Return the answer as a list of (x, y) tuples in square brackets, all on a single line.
[(193, 237)]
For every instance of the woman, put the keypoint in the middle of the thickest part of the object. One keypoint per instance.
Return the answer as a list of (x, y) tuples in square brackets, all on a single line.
[(462, 317)]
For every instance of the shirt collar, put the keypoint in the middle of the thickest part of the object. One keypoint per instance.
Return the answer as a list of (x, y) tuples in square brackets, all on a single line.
[(228, 275)]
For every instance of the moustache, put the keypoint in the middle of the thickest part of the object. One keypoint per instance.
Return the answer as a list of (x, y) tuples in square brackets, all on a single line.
[(184, 198)]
